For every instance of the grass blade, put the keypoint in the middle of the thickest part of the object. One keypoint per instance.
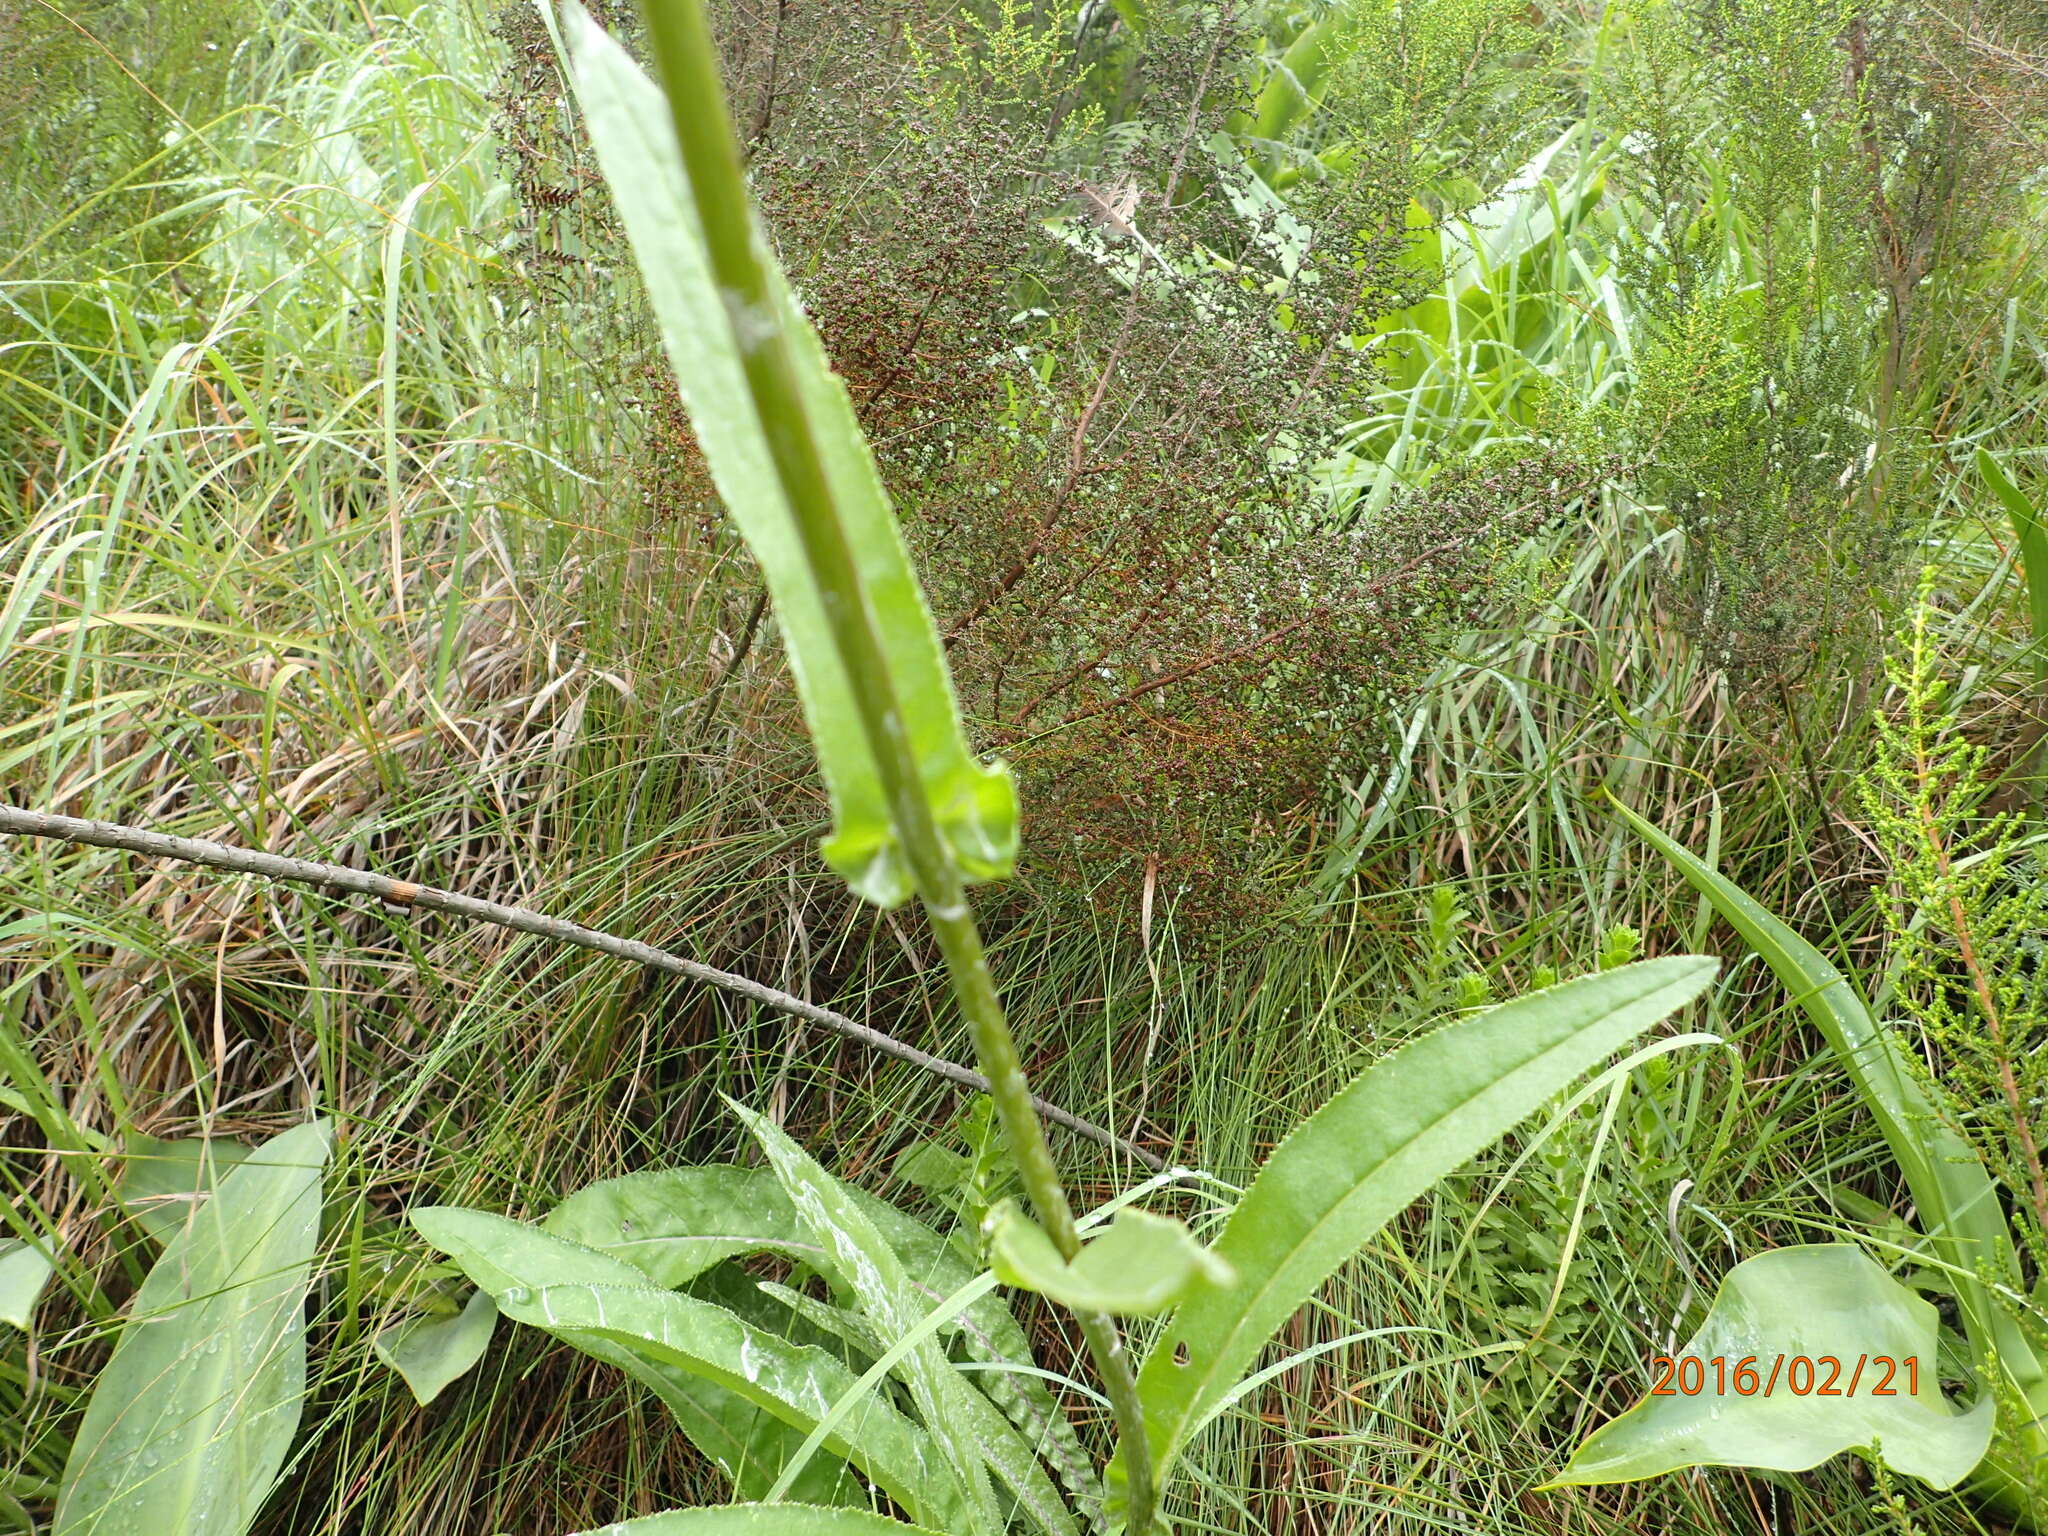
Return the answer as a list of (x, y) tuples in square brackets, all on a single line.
[(2033, 542)]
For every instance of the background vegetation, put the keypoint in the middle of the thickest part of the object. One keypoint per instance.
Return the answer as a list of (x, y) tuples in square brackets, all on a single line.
[(1573, 402)]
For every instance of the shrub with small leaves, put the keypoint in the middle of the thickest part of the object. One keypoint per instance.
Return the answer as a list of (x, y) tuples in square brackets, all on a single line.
[(1103, 366), (1745, 414)]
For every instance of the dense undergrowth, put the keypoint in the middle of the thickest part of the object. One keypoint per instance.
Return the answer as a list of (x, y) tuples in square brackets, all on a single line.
[(350, 515)]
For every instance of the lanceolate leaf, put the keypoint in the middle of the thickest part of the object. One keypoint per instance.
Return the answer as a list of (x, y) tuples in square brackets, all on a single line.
[(1009, 1457), (1141, 1266), (1958, 1206), (191, 1419), (1016, 1464), (886, 1296), (673, 1224), (163, 1182), (975, 803), (762, 1520), (431, 1352), (748, 1425), (1294, 87), (795, 1384), (1826, 1337), (1371, 1151)]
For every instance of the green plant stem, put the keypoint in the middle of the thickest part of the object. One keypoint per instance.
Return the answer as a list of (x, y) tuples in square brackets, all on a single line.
[(995, 1049), (685, 56)]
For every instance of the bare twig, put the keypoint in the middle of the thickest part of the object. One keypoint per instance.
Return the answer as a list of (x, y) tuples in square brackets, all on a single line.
[(404, 893)]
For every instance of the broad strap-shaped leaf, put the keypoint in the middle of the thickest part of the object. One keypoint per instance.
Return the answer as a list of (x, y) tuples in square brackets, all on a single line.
[(796, 1384), (1013, 1460), (1957, 1203), (674, 1224), (748, 1438), (1144, 1263), (163, 1182), (1369, 1153), (1016, 1464), (1815, 1334), (891, 1303), (762, 1520), (192, 1418), (431, 1352), (832, 1321), (975, 803), (758, 1446), (24, 1270), (1293, 87)]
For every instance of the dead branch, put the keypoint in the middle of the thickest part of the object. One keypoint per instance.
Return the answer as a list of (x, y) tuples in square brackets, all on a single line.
[(404, 893)]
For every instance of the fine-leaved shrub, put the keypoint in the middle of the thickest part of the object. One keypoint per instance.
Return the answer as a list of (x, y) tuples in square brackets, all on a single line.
[(1104, 369)]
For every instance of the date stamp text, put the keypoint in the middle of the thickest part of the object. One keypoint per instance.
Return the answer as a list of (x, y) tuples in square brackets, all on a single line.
[(1798, 1375)]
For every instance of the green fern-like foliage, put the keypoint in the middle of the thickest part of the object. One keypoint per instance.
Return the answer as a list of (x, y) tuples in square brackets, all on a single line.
[(1967, 907), (1515, 1244)]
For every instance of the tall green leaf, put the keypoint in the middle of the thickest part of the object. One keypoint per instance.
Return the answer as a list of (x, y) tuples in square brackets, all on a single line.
[(1014, 1462), (673, 1224), (1958, 1204), (1293, 88), (163, 1182), (1370, 1152), (794, 1383), (975, 803), (193, 1415), (762, 1520), (747, 1445), (2033, 542)]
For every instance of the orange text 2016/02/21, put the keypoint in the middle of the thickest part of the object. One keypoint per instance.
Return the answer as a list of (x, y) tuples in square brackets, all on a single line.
[(1799, 1375)]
